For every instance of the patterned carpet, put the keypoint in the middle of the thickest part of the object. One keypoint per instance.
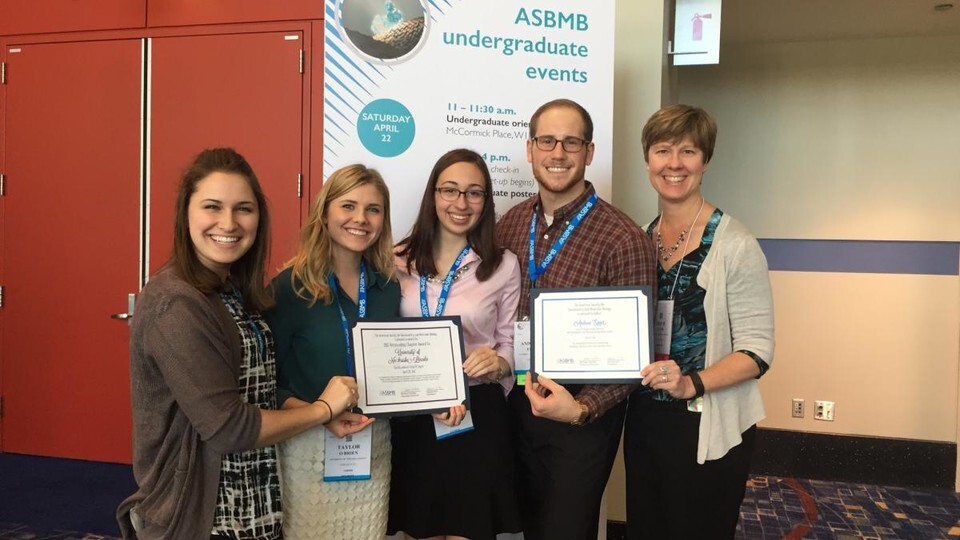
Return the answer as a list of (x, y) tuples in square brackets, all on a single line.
[(792, 509), (776, 508), (9, 531)]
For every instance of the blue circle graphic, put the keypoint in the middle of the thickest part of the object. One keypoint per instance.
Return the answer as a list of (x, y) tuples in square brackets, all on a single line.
[(386, 128)]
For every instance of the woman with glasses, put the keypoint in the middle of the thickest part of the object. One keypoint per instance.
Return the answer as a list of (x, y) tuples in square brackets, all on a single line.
[(453, 471)]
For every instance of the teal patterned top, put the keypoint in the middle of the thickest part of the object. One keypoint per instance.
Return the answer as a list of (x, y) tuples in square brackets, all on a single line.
[(688, 343)]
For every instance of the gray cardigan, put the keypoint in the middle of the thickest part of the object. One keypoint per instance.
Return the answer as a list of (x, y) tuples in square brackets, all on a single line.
[(739, 312), (187, 411)]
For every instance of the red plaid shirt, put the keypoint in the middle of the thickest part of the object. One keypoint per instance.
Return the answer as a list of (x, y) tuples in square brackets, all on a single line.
[(607, 249)]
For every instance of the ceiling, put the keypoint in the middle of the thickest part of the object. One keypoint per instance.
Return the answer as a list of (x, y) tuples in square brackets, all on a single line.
[(749, 21)]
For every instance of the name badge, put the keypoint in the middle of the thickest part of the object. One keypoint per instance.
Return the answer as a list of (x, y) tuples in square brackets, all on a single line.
[(444, 431), (348, 458), (663, 330), (521, 350)]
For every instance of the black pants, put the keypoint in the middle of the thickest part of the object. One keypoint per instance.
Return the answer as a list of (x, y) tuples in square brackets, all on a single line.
[(669, 495), (562, 471)]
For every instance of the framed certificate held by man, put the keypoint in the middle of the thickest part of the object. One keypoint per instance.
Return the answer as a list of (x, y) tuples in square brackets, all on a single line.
[(591, 335), (409, 366)]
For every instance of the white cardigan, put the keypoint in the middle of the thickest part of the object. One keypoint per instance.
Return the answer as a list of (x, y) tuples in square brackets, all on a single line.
[(739, 312)]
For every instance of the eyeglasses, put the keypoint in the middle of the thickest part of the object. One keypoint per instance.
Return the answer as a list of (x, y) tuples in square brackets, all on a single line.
[(451, 194), (570, 144)]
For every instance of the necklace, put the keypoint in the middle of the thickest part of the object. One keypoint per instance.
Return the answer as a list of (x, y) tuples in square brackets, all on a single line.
[(666, 253), (435, 278)]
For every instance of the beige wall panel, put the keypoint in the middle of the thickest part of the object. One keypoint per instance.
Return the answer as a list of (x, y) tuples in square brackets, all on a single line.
[(836, 139), (616, 496), (639, 83), (639, 72), (883, 347)]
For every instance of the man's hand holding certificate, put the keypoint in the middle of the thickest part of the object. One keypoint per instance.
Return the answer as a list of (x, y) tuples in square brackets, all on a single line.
[(591, 335)]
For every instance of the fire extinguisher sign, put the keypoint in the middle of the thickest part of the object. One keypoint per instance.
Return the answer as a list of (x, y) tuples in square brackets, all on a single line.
[(696, 34)]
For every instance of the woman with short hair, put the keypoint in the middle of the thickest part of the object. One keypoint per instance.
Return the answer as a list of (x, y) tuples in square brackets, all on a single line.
[(690, 427)]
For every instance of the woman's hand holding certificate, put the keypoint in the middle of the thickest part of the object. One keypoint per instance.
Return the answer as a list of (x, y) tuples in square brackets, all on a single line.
[(409, 366)]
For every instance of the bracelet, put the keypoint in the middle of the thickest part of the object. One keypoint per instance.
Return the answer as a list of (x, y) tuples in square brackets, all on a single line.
[(329, 410), (699, 390)]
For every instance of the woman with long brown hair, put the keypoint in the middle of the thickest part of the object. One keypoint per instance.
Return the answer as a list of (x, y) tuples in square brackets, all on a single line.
[(202, 370), (459, 485)]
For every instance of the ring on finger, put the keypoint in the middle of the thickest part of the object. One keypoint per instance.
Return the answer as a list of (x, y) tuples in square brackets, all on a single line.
[(664, 369), (663, 378)]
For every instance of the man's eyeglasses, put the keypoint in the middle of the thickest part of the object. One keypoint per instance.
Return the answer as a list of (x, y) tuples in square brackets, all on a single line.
[(570, 144), (451, 194)]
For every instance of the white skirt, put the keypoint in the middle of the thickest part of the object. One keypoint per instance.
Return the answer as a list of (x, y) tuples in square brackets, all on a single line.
[(318, 510)]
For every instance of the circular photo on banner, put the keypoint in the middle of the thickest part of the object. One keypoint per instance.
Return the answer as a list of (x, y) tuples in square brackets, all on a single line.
[(384, 31)]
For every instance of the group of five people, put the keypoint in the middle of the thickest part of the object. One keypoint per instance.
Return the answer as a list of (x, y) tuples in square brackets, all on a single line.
[(229, 375)]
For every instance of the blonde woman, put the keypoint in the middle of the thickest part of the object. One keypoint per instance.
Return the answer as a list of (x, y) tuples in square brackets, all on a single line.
[(343, 271)]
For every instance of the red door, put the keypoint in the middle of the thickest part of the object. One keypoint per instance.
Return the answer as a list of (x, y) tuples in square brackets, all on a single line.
[(240, 90), (71, 246)]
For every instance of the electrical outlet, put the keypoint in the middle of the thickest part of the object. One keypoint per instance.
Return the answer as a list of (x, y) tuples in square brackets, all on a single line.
[(798, 408), (823, 410)]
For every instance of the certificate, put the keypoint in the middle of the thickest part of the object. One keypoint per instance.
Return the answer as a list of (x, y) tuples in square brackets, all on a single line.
[(596, 335), (409, 366)]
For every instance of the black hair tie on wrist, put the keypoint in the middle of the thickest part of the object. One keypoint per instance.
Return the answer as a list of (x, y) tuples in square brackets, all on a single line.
[(697, 384), (329, 409)]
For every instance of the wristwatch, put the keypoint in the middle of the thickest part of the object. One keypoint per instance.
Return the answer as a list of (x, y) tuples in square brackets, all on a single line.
[(584, 415)]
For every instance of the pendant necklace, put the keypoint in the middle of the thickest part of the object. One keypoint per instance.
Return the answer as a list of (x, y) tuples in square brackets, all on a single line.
[(666, 253)]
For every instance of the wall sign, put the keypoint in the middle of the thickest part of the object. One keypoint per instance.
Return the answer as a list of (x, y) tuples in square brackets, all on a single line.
[(407, 80)]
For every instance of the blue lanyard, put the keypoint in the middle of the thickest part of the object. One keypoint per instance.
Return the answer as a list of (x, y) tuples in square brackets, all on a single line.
[(535, 270), (361, 310), (257, 333), (444, 290)]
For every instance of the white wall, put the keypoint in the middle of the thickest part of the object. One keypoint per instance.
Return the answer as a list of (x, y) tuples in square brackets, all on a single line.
[(850, 140), (853, 140), (838, 139)]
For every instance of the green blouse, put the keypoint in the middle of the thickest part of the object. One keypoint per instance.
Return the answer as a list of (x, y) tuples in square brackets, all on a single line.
[(309, 339)]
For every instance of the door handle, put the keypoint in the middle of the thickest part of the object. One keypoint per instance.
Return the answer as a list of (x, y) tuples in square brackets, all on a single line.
[(131, 301)]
